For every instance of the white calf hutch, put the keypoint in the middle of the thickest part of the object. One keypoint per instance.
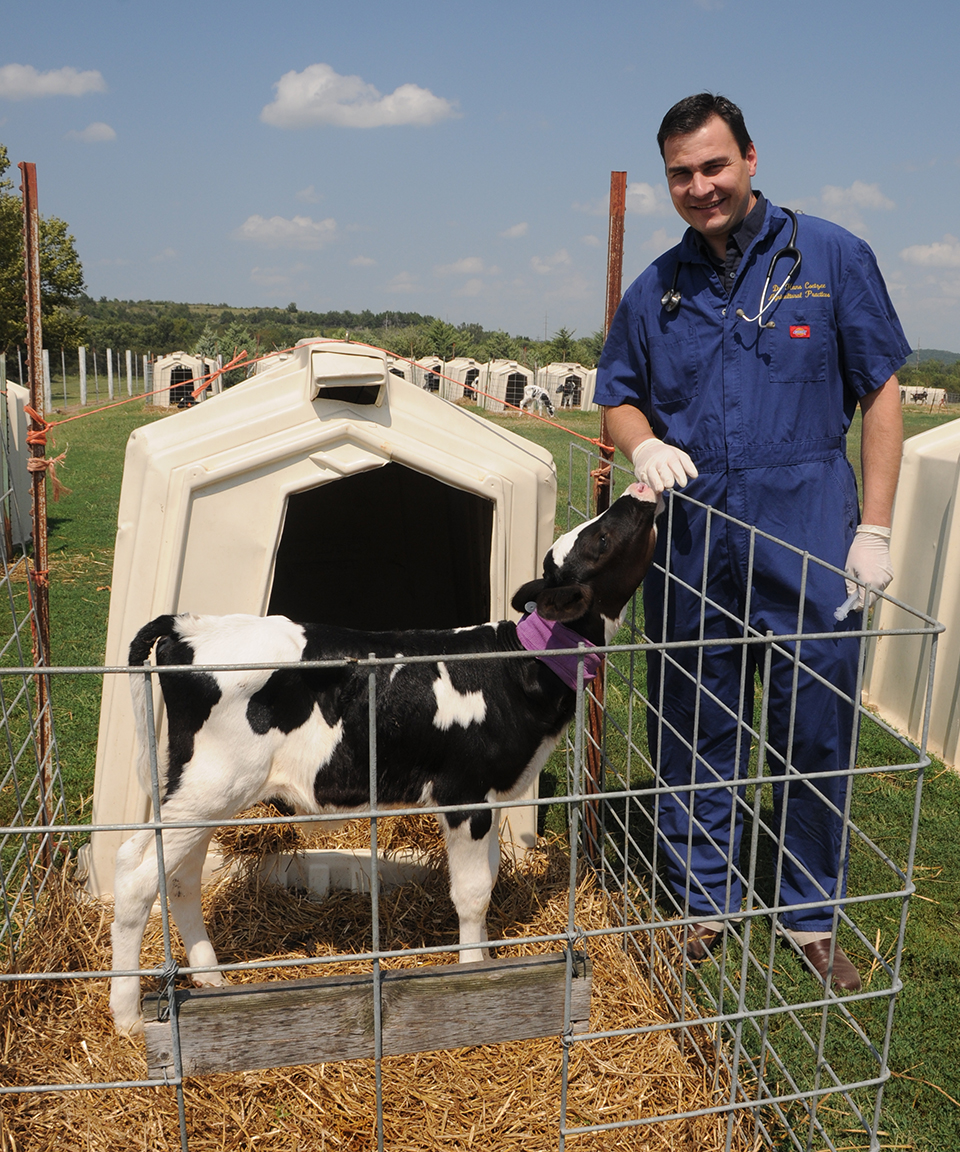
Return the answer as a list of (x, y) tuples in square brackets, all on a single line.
[(925, 551), (462, 375), (502, 383), (176, 376), (325, 489), (566, 383)]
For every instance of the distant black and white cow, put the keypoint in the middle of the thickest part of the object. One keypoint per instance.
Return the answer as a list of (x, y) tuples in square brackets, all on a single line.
[(448, 732), (536, 397)]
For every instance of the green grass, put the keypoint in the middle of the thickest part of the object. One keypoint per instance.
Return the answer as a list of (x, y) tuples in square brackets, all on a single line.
[(925, 1056)]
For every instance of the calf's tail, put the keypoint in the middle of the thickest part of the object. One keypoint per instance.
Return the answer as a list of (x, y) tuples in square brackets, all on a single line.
[(140, 648)]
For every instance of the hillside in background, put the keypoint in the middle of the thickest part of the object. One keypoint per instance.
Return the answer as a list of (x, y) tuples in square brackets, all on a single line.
[(922, 355), (160, 326)]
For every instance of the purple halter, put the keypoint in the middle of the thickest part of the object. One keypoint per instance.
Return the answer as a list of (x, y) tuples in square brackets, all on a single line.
[(537, 634)]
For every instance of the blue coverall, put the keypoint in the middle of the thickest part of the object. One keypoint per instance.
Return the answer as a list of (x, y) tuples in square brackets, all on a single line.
[(763, 412)]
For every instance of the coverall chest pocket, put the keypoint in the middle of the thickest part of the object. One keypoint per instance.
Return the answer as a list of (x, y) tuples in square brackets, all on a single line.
[(674, 368), (797, 347)]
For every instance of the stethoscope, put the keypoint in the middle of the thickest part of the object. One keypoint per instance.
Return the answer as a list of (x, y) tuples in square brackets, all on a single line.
[(671, 298)]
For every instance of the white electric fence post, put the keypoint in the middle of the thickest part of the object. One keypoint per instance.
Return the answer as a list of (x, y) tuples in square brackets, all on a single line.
[(82, 360), (110, 373), (47, 383), (129, 372)]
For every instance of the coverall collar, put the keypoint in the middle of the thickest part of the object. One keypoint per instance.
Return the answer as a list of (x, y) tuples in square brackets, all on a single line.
[(691, 252)]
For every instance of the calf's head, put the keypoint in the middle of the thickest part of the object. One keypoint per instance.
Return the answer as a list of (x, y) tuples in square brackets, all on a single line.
[(590, 573)]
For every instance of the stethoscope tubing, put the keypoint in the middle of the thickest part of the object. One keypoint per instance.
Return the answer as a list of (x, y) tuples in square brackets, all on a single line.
[(672, 297)]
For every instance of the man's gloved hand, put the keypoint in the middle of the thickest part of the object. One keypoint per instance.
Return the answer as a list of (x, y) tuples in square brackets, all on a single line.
[(660, 465), (869, 562)]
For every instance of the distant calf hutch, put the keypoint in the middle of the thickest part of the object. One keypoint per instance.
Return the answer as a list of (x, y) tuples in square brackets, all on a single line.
[(325, 489), (178, 376)]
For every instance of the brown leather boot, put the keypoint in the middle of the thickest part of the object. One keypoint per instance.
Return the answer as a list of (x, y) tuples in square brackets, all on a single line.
[(700, 942), (845, 977)]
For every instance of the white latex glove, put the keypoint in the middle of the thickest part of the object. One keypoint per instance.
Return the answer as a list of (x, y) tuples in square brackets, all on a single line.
[(660, 465), (868, 561)]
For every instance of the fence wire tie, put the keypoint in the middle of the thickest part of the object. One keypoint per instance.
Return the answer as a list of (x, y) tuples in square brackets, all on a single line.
[(167, 992), (577, 947)]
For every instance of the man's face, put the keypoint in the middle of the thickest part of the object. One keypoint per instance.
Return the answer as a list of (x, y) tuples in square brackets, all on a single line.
[(709, 180)]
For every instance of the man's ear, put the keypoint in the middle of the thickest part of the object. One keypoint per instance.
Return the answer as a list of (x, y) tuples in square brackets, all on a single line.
[(527, 594), (564, 604)]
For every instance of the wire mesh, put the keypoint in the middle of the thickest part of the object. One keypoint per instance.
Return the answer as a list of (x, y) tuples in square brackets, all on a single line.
[(31, 789), (785, 1063)]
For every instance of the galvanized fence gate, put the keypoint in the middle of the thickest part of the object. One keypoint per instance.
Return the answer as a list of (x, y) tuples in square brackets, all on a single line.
[(782, 1061)]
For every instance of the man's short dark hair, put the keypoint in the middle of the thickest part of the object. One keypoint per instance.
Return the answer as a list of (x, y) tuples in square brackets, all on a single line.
[(693, 112)]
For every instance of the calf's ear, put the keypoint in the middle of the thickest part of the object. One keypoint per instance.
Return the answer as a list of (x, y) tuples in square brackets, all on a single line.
[(567, 603), (527, 594)]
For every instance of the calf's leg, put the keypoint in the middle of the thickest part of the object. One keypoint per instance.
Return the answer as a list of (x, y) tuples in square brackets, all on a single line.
[(135, 887), (183, 888), (473, 856)]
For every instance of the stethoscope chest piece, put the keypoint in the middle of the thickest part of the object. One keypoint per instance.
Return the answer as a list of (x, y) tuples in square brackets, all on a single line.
[(671, 298)]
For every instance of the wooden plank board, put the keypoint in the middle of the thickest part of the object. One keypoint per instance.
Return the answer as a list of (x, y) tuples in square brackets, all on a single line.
[(243, 1027)]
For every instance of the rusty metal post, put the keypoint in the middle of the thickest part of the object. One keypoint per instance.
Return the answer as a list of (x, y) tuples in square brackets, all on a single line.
[(37, 443), (593, 776)]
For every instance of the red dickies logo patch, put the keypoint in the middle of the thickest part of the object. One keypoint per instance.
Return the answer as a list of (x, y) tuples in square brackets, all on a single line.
[(799, 331)]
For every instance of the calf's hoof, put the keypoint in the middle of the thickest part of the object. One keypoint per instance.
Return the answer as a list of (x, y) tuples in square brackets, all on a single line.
[(207, 979), (127, 1027)]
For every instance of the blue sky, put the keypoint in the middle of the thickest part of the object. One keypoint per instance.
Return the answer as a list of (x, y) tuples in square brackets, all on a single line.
[(455, 159)]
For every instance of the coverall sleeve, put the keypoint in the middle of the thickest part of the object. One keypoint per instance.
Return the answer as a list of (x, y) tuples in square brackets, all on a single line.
[(872, 346), (623, 370)]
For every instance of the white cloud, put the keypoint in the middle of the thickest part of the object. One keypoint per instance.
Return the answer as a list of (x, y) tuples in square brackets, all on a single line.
[(646, 199), (659, 242), (363, 262), (598, 207), (845, 206), (545, 267), (309, 195), (468, 266), (944, 253), (403, 282), (164, 256), (95, 133), (472, 287), (642, 200), (858, 195), (318, 95), (515, 232), (591, 241), (282, 282), (24, 82), (278, 232)]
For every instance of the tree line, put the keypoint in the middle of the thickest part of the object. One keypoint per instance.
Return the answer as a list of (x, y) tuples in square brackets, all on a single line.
[(159, 327)]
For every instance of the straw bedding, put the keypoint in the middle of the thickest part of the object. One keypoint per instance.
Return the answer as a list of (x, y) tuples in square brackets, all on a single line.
[(504, 1097)]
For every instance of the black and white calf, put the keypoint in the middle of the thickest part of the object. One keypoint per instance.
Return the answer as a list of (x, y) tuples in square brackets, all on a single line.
[(536, 397), (448, 732)]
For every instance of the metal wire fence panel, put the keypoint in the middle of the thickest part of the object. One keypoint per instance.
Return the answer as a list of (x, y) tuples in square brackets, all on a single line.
[(753, 1006), (745, 1049), (31, 790)]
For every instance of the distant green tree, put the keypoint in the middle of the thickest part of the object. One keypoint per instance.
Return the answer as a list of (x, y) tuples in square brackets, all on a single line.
[(61, 274), (593, 346), (499, 346), (442, 338), (561, 345), (208, 343)]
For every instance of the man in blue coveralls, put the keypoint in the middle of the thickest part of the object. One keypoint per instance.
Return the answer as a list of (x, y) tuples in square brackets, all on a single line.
[(743, 396)]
